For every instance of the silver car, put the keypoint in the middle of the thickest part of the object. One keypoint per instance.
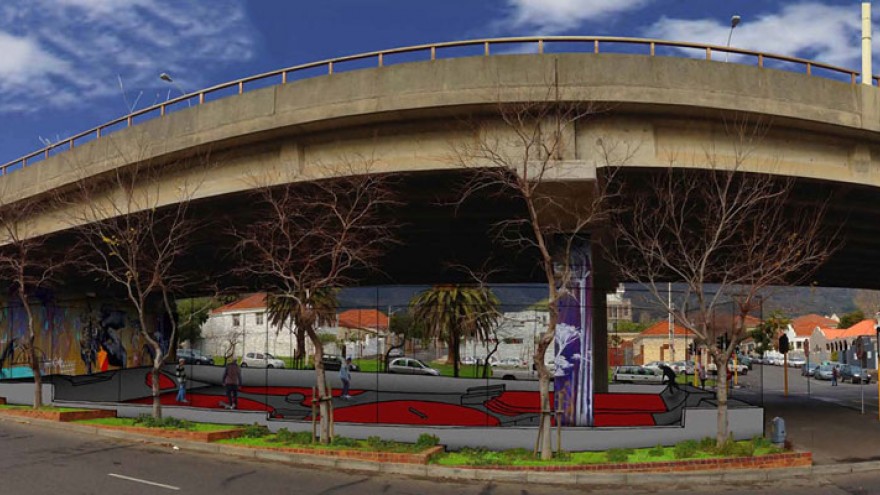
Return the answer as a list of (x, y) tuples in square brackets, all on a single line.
[(261, 360), (410, 366)]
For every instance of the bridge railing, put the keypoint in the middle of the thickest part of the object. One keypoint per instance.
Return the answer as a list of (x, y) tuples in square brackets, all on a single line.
[(486, 47)]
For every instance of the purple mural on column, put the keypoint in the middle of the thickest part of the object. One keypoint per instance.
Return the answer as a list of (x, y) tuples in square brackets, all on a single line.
[(573, 378)]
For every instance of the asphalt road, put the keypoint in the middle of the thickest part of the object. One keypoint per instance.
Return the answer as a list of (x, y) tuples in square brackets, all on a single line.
[(37, 462)]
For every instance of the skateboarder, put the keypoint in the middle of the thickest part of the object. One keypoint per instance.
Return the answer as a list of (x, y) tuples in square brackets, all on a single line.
[(181, 381), (232, 380), (670, 377)]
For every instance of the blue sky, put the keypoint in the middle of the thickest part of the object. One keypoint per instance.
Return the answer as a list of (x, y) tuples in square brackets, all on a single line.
[(61, 60)]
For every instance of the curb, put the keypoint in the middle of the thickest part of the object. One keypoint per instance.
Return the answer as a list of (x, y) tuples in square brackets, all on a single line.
[(466, 474)]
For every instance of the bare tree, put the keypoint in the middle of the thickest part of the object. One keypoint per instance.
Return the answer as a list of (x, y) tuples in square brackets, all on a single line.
[(133, 227), (724, 235), (29, 264), (313, 236), (526, 151)]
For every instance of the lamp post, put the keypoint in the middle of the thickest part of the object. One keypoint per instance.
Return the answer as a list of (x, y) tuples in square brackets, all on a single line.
[(167, 78), (734, 22)]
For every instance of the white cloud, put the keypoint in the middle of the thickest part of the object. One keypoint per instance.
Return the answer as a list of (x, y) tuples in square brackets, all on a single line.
[(826, 33), (556, 16), (58, 53)]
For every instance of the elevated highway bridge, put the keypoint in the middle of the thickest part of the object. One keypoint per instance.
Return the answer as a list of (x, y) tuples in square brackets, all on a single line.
[(404, 107)]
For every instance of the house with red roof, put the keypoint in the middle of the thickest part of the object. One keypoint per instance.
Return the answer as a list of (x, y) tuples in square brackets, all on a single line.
[(655, 344), (802, 328), (838, 344), (245, 323)]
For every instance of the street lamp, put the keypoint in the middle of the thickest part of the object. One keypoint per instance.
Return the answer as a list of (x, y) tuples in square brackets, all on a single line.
[(167, 78), (734, 22)]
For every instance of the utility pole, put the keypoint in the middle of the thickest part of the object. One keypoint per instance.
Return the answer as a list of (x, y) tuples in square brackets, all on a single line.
[(867, 75), (671, 322)]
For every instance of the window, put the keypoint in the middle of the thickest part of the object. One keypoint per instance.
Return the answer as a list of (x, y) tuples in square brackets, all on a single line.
[(259, 318), (236, 320)]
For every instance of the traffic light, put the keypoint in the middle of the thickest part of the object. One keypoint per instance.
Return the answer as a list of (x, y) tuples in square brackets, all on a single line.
[(721, 342), (783, 344)]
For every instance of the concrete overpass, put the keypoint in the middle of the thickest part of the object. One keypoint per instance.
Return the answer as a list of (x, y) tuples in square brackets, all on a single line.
[(823, 128)]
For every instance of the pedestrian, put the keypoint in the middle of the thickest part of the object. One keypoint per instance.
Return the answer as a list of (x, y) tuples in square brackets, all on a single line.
[(834, 376), (345, 376), (702, 372), (232, 380), (670, 377), (181, 381)]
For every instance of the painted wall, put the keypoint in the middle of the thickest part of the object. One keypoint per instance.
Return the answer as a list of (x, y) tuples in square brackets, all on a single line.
[(77, 337)]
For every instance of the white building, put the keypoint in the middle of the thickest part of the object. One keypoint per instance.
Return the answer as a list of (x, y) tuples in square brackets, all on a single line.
[(246, 323)]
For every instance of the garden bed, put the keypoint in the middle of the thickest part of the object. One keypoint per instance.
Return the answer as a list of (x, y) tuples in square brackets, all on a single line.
[(63, 414), (690, 455), (370, 449), (184, 430)]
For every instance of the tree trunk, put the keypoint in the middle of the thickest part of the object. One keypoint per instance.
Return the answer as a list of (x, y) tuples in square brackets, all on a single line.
[(299, 356), (450, 354), (32, 347), (323, 392), (157, 366), (456, 339), (544, 427), (721, 395)]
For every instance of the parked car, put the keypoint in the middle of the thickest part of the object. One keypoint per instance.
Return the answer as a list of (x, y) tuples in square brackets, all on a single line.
[(683, 367), (823, 372), (468, 360), (810, 370), (655, 364), (638, 374), (746, 360), (411, 366), (333, 362), (796, 361), (261, 360), (514, 362), (193, 356), (854, 374), (741, 369)]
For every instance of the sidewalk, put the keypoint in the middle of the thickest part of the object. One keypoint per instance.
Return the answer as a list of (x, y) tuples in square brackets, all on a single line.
[(430, 471), (834, 434)]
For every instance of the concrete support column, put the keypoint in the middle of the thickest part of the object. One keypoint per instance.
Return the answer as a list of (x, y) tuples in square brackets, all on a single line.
[(603, 284)]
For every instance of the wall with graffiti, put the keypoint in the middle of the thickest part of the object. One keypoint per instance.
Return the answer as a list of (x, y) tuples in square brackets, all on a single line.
[(74, 337)]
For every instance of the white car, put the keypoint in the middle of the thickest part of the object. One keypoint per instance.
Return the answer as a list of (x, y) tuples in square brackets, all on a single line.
[(261, 360), (410, 366), (638, 374)]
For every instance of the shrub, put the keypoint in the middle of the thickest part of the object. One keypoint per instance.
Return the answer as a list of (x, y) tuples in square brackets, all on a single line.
[(376, 443), (427, 440), (707, 444), (745, 449), (255, 431), (521, 454), (286, 436), (344, 442), (761, 442), (150, 422), (728, 448), (657, 451), (685, 449), (618, 455)]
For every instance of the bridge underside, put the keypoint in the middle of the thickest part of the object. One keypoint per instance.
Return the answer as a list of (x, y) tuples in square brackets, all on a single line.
[(436, 239)]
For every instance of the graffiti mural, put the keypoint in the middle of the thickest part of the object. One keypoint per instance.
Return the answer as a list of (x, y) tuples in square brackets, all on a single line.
[(286, 395), (73, 338), (573, 375)]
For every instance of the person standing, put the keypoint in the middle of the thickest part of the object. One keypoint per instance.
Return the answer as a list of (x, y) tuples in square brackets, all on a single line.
[(232, 380), (834, 376), (670, 377), (181, 381), (345, 376)]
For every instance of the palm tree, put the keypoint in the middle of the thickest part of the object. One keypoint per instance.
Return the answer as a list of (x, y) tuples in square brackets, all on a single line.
[(451, 312), (285, 310)]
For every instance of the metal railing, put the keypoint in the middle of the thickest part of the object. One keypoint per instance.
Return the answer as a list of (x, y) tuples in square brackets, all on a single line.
[(535, 44)]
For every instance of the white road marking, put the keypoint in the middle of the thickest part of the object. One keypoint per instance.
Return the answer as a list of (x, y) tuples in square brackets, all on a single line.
[(136, 480)]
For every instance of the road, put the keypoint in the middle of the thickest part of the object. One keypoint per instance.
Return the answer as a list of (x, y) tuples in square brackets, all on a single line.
[(43, 462)]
